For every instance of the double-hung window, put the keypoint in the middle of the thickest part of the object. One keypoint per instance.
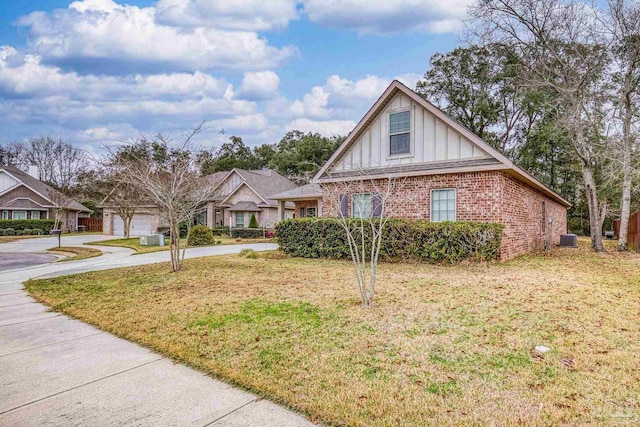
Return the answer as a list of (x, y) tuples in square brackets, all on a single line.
[(5, 214), (35, 214), (311, 212), (400, 133), (302, 213), (239, 219), (443, 205), (361, 205)]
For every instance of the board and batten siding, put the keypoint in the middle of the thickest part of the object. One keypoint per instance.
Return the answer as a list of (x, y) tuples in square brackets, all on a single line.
[(6, 181), (431, 141)]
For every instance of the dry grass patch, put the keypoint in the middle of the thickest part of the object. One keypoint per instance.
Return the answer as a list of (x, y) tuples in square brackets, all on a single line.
[(75, 253), (444, 345)]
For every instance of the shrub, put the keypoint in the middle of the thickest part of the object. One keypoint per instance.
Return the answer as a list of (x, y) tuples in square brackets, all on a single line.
[(221, 231), (21, 224), (201, 235), (403, 240), (253, 222), (36, 232), (247, 233), (8, 232), (27, 232)]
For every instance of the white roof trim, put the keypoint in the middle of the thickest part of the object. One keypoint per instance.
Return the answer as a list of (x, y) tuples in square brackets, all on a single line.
[(385, 97)]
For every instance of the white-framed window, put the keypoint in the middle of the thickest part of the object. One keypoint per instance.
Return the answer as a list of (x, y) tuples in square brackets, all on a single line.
[(400, 133), (302, 213), (361, 205), (19, 215), (35, 214), (311, 212), (443, 204), (5, 214), (239, 219)]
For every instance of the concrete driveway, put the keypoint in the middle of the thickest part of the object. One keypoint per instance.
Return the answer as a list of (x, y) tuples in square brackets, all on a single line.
[(58, 371)]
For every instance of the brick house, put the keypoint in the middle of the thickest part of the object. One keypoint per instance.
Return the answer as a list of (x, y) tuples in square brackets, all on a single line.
[(442, 172), (24, 196)]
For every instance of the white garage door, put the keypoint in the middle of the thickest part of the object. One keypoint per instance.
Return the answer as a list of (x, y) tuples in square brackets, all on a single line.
[(140, 225)]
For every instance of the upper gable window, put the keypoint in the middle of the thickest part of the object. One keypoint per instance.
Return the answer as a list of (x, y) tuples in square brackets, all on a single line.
[(400, 133)]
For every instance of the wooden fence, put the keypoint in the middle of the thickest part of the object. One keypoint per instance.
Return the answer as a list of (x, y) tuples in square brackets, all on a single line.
[(633, 237), (91, 224)]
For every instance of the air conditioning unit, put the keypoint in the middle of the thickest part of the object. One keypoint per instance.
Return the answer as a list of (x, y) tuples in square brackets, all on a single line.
[(569, 240), (152, 240)]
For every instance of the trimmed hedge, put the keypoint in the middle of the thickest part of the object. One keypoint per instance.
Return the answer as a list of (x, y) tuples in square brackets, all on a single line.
[(29, 224), (200, 235), (403, 240), (221, 231), (248, 233)]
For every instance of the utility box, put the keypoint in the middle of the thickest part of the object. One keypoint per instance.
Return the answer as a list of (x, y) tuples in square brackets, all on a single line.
[(152, 240), (569, 240)]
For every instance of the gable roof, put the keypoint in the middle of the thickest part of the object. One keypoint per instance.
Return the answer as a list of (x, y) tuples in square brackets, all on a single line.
[(41, 188), (263, 182), (498, 161)]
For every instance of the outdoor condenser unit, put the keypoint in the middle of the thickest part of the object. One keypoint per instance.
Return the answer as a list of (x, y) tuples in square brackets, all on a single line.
[(569, 240)]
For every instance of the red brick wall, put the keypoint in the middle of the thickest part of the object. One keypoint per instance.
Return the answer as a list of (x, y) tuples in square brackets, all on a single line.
[(523, 219), (490, 196)]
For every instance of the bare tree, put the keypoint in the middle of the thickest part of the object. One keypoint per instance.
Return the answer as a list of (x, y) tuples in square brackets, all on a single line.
[(59, 163), (61, 204), (126, 199), (167, 172), (623, 22), (365, 205), (561, 48)]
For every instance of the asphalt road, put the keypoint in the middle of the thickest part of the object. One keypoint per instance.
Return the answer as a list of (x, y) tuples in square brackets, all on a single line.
[(10, 261)]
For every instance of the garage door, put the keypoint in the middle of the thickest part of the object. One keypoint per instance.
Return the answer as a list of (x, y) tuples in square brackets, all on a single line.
[(140, 225)]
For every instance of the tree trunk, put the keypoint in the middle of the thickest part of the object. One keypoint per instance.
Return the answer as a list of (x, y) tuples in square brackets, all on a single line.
[(625, 202), (595, 218)]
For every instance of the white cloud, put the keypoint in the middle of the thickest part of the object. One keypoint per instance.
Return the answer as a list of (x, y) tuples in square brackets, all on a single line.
[(105, 30), (389, 16), (339, 98), (259, 85), (324, 127), (247, 15)]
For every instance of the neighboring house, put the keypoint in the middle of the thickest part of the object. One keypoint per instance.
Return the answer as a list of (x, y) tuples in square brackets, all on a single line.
[(447, 173), (242, 193), (24, 196), (145, 221), (239, 194)]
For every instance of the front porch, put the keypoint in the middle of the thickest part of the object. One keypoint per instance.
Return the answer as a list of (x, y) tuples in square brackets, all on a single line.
[(307, 201)]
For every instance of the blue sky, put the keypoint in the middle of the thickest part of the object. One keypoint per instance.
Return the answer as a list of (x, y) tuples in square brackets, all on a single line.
[(97, 71)]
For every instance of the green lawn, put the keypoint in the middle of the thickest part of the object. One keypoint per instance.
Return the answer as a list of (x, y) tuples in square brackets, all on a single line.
[(444, 345), (134, 243)]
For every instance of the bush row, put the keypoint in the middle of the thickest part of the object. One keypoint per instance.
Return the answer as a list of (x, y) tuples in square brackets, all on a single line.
[(25, 232), (248, 233), (402, 240), (45, 225)]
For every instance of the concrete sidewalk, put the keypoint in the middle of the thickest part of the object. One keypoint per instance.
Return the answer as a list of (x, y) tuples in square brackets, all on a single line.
[(58, 371)]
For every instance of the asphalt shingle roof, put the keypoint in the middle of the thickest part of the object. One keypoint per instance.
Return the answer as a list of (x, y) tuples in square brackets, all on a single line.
[(40, 187)]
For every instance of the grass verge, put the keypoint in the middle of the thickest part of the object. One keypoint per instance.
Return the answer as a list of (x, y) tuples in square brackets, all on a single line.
[(444, 345), (134, 243), (75, 253)]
